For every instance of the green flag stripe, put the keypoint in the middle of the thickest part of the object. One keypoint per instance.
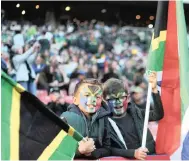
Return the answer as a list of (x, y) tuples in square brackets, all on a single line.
[(6, 95), (184, 57), (10, 118), (67, 148), (18, 87), (77, 136), (72, 132), (8, 79), (63, 146), (154, 56)]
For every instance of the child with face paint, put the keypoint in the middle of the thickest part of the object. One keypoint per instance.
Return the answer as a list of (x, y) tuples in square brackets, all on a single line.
[(127, 121), (88, 116)]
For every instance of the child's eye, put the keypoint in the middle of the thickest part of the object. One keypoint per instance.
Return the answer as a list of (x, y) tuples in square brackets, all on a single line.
[(87, 95)]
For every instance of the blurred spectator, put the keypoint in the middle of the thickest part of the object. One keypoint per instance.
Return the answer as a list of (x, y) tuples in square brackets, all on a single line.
[(4, 65), (74, 51), (18, 38), (51, 76), (45, 45), (93, 72), (22, 63), (137, 95), (57, 104), (39, 65), (92, 44), (76, 78), (141, 82), (109, 74)]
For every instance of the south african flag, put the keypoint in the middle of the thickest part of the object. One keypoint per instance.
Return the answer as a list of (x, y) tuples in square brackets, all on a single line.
[(169, 56), (29, 131)]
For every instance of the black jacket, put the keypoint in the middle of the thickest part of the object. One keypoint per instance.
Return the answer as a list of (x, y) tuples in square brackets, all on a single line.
[(138, 116), (96, 128)]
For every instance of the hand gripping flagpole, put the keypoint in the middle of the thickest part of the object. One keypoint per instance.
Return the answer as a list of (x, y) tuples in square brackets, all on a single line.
[(145, 128)]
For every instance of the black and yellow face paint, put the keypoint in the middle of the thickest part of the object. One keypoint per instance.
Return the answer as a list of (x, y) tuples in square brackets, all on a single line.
[(89, 97)]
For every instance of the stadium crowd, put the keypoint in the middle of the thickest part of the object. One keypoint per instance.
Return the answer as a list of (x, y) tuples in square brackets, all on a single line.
[(49, 61), (56, 63)]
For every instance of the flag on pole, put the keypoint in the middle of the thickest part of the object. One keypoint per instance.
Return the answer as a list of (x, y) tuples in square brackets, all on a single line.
[(29, 131), (169, 56)]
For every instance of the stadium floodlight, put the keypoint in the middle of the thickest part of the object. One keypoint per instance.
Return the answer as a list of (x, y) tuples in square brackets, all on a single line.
[(150, 26), (68, 8), (151, 17), (103, 10), (138, 17), (37, 6), (23, 12), (18, 5)]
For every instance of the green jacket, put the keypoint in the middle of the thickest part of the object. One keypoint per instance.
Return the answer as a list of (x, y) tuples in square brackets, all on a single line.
[(97, 128)]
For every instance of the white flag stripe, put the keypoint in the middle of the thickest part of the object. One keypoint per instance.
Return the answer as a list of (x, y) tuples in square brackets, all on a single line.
[(184, 130), (159, 75)]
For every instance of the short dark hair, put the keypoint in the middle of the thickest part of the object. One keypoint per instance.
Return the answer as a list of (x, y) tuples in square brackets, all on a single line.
[(138, 81), (113, 85), (89, 81)]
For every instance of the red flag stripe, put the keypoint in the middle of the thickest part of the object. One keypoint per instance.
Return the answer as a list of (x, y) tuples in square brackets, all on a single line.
[(169, 129)]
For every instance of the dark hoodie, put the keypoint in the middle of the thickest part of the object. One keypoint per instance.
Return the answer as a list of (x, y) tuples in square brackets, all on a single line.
[(138, 115), (97, 128)]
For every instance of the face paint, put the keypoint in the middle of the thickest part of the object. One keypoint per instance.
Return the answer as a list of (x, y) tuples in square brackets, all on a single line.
[(117, 102), (89, 98)]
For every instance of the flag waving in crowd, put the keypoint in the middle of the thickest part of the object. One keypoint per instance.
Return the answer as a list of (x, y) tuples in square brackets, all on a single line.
[(29, 130), (169, 56)]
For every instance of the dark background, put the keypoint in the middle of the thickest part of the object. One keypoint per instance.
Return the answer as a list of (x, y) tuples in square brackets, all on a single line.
[(123, 12)]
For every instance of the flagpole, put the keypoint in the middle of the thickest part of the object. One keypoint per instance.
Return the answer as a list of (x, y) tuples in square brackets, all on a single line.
[(146, 116)]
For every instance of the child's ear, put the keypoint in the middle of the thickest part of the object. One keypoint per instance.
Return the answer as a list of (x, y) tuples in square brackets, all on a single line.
[(75, 100)]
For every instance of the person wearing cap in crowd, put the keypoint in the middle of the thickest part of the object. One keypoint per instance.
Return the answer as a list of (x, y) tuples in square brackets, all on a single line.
[(88, 116), (57, 105), (127, 120)]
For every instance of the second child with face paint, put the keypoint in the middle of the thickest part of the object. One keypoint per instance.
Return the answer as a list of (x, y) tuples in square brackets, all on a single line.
[(88, 116), (127, 120)]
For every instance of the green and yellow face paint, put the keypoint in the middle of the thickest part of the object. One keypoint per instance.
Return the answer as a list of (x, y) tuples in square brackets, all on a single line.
[(89, 97)]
